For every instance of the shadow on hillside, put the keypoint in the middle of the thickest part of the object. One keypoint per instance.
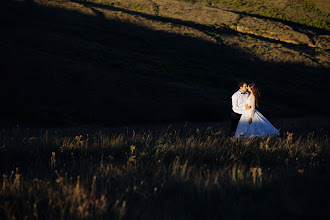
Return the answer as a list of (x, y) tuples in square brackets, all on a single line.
[(210, 30), (311, 32), (215, 31), (295, 26), (64, 68)]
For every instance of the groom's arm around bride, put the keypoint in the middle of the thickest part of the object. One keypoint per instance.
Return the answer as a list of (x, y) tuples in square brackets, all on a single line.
[(238, 104)]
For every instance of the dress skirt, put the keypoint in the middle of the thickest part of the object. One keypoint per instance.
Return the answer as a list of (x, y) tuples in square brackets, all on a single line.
[(260, 126)]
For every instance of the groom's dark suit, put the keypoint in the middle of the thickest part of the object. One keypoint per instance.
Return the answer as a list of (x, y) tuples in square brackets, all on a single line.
[(234, 117)]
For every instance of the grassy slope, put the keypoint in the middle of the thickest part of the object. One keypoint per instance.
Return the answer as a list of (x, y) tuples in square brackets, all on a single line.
[(313, 13), (106, 62)]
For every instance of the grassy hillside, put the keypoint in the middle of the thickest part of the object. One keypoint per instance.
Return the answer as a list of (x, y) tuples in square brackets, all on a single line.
[(76, 63), (312, 13), (171, 173)]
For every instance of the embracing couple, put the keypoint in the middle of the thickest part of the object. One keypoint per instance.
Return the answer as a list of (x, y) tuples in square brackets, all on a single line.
[(246, 120)]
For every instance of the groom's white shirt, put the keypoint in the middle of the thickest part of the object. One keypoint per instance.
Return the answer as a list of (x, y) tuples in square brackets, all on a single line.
[(238, 101)]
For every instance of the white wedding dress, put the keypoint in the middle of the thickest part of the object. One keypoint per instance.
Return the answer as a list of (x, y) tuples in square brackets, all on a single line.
[(260, 126)]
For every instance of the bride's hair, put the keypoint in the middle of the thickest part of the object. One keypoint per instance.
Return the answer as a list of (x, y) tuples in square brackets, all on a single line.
[(255, 92)]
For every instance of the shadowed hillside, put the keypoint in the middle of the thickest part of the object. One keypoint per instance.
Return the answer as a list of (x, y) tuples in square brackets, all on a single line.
[(75, 63)]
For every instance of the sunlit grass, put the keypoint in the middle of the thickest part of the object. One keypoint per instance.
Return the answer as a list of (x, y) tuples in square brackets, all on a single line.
[(88, 174)]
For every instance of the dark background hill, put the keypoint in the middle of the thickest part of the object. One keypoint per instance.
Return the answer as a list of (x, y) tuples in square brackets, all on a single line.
[(68, 63)]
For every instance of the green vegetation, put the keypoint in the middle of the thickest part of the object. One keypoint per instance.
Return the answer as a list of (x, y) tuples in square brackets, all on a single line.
[(300, 11), (316, 23), (249, 37), (191, 1), (305, 5), (111, 3), (163, 173)]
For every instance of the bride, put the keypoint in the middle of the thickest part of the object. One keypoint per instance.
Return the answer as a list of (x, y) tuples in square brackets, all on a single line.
[(252, 123)]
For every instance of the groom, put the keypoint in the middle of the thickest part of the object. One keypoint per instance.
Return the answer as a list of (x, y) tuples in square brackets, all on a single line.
[(238, 102)]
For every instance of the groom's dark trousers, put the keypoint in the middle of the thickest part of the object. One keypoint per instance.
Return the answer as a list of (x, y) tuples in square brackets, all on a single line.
[(234, 121)]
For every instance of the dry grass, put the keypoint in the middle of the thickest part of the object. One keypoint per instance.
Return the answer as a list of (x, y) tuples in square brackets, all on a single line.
[(87, 174), (267, 23)]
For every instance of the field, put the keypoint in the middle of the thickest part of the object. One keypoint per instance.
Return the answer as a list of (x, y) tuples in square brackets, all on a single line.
[(119, 109), (165, 173)]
